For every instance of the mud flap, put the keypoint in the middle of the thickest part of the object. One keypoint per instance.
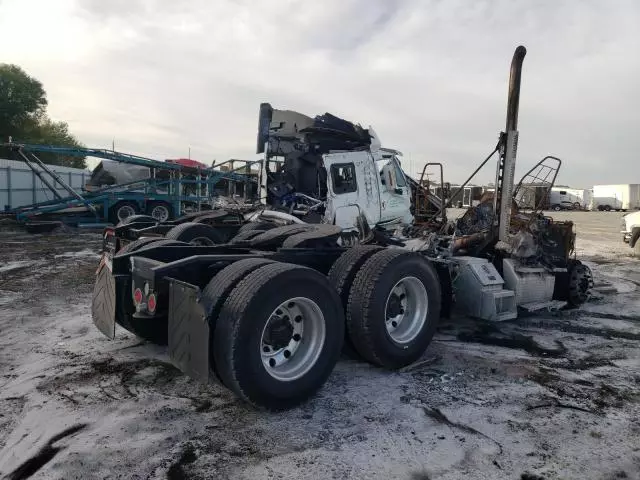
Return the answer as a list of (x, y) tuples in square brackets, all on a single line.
[(188, 331), (103, 304)]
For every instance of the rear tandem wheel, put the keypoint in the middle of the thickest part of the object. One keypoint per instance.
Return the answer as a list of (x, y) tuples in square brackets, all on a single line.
[(394, 308), (279, 335)]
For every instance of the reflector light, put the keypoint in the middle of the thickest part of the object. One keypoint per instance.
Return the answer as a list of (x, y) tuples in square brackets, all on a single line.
[(151, 303), (137, 296)]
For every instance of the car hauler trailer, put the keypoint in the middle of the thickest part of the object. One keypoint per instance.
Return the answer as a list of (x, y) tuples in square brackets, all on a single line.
[(121, 186), (268, 311)]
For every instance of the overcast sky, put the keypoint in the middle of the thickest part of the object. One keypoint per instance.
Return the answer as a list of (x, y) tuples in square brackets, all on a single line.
[(163, 76)]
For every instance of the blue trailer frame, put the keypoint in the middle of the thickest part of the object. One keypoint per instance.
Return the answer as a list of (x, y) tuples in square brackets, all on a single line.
[(101, 203)]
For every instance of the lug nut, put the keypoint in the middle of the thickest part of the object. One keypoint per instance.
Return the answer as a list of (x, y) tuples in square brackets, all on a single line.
[(272, 362), (298, 319), (287, 354), (290, 305), (297, 337), (394, 324), (265, 349)]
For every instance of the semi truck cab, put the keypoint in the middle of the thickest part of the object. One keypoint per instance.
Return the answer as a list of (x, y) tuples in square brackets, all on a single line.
[(366, 185), (328, 170)]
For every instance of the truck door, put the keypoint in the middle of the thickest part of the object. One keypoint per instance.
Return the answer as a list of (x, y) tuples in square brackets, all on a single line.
[(352, 189), (395, 196)]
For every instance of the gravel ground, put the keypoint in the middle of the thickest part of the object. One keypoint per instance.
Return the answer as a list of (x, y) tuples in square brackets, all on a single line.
[(544, 396)]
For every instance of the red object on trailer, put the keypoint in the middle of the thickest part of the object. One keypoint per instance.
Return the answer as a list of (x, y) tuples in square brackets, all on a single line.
[(187, 162)]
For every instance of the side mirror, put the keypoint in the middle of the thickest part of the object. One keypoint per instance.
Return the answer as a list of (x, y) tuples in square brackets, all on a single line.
[(398, 191)]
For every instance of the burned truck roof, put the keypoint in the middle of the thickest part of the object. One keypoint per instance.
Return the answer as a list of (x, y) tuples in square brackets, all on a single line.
[(320, 134)]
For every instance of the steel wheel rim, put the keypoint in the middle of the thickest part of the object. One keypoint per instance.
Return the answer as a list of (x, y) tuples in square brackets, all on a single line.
[(160, 213), (302, 321), (128, 209), (202, 242), (406, 310)]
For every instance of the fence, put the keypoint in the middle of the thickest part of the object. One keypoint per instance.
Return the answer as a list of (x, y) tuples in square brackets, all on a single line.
[(19, 186)]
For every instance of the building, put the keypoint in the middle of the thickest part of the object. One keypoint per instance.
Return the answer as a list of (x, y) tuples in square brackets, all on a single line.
[(20, 186)]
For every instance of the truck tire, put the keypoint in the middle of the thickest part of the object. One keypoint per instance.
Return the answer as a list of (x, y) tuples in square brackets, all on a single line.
[(322, 236), (138, 244), (273, 238), (259, 226), (607, 208), (636, 249), (394, 308), (341, 276), (344, 270), (244, 237), (195, 234), (279, 335), (219, 288), (210, 217), (221, 285), (580, 283), (122, 210), (136, 218), (159, 211), (556, 208)]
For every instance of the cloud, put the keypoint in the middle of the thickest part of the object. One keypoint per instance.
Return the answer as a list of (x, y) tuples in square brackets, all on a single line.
[(430, 76)]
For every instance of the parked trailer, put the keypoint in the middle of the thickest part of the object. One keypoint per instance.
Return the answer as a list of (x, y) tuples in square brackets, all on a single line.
[(616, 197)]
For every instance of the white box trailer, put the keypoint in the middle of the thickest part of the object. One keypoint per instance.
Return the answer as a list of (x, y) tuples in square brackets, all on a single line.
[(616, 197)]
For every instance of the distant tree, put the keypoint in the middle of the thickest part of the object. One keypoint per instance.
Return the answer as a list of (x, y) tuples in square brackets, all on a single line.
[(22, 99), (49, 132), (23, 117)]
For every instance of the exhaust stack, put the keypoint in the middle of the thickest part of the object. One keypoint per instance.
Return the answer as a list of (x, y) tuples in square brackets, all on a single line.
[(508, 148)]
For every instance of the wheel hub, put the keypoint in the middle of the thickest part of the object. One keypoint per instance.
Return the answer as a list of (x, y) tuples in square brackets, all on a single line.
[(125, 211), (406, 310), (395, 306), (279, 333), (160, 213), (292, 339)]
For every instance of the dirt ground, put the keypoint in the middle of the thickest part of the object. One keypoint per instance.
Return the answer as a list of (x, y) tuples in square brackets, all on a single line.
[(551, 396)]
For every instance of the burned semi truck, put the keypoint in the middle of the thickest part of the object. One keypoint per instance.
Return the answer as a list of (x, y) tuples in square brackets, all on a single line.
[(265, 301)]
